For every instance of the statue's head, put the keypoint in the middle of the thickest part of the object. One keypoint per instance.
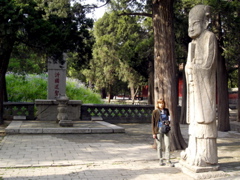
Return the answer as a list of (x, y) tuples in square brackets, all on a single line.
[(198, 20)]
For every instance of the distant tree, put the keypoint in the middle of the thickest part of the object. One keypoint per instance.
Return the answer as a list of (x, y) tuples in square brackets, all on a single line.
[(48, 31), (118, 40), (26, 63), (225, 24)]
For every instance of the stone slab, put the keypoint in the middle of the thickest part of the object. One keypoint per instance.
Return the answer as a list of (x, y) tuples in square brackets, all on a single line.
[(200, 175), (66, 130), (30, 130), (101, 130), (116, 129), (14, 125), (198, 169), (48, 127), (96, 118), (66, 123), (19, 117), (12, 131)]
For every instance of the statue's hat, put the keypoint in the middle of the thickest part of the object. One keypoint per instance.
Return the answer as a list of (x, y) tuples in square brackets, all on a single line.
[(199, 12)]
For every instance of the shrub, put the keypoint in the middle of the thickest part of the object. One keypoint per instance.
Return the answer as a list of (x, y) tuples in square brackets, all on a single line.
[(27, 88)]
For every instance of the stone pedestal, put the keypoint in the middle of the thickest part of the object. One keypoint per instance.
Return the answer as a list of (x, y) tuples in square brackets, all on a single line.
[(62, 117), (47, 109), (66, 123), (198, 169), (197, 172)]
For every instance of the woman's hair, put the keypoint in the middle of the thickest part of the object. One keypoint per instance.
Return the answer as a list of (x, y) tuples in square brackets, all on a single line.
[(160, 101)]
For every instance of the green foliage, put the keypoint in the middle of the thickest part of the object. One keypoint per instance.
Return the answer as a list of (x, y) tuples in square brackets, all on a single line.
[(52, 27), (40, 29), (120, 51), (181, 9), (59, 8), (27, 88), (77, 91), (26, 63), (224, 13)]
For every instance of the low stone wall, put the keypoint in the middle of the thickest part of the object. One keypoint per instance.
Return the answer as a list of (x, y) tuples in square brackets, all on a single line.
[(47, 110), (118, 113), (18, 110)]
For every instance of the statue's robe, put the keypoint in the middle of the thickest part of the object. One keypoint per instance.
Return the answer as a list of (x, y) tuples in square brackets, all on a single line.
[(201, 100)]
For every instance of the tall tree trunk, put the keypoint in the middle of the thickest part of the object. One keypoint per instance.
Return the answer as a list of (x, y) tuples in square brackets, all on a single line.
[(223, 106), (110, 96), (222, 83), (238, 98), (132, 93), (5, 95), (150, 83), (165, 66), (6, 46), (103, 93)]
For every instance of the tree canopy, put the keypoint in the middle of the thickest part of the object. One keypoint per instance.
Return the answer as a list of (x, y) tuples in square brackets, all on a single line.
[(51, 27), (119, 53)]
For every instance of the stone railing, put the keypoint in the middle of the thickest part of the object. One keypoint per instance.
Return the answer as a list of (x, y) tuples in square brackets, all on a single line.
[(18, 110), (117, 113), (108, 112)]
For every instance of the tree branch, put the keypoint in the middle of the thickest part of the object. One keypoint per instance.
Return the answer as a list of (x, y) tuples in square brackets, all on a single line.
[(95, 6), (104, 4), (135, 14)]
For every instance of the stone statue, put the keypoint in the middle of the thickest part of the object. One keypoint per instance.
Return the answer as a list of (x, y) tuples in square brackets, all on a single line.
[(201, 91)]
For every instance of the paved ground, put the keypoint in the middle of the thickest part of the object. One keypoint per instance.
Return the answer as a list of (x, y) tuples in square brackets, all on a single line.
[(122, 156)]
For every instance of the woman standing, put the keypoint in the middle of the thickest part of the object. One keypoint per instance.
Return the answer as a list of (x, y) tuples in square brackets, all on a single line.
[(161, 116)]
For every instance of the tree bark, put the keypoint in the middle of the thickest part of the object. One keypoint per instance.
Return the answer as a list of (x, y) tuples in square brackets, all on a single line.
[(150, 83), (238, 98), (132, 91), (6, 46), (103, 93), (5, 94), (223, 108), (110, 96), (222, 83), (165, 66)]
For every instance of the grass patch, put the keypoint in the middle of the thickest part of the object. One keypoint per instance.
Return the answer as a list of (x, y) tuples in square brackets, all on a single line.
[(27, 88)]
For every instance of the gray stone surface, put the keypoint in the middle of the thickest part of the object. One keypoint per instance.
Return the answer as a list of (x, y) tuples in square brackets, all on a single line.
[(115, 128), (56, 78), (209, 174), (47, 109), (30, 130), (45, 127), (66, 131), (102, 130), (95, 118), (102, 156)]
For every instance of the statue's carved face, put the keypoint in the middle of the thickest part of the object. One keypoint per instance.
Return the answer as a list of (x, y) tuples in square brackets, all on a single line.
[(195, 28)]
